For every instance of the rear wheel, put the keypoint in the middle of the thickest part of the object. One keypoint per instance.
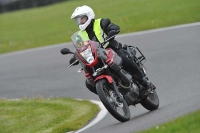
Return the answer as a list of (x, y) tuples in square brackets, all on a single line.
[(118, 109), (151, 102)]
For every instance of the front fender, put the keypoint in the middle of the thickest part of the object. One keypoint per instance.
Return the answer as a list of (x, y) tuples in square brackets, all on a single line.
[(109, 78)]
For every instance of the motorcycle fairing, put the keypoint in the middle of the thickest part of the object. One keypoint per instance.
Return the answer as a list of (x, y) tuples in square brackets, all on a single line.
[(111, 56), (93, 48)]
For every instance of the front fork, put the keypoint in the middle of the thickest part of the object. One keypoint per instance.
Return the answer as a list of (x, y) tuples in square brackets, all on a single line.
[(119, 95)]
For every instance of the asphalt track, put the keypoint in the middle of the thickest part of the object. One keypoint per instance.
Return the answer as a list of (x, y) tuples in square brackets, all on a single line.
[(173, 62)]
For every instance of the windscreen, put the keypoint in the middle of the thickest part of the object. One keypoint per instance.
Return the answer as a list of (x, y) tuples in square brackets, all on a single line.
[(80, 40)]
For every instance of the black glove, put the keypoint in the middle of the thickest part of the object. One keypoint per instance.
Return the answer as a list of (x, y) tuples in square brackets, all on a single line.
[(72, 60), (112, 33)]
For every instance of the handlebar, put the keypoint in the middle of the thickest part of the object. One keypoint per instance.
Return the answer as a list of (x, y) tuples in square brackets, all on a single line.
[(101, 44), (73, 63)]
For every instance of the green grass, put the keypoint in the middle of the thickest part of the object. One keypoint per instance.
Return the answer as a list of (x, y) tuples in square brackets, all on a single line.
[(186, 124), (39, 115), (52, 24)]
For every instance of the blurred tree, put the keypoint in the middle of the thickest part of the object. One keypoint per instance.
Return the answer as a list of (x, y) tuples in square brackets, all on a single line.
[(11, 5)]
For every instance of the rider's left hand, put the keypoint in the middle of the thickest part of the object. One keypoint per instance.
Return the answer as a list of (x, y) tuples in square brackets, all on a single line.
[(112, 33)]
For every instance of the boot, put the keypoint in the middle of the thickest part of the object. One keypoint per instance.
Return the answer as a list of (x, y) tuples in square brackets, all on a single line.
[(148, 86), (134, 70)]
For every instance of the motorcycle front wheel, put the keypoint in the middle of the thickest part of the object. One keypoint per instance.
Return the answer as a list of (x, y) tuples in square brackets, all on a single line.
[(106, 93)]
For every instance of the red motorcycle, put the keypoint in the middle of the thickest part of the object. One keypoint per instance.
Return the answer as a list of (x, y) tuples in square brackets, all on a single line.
[(103, 69)]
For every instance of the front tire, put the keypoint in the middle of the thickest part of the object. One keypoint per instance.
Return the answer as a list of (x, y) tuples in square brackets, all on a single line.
[(107, 95), (151, 102)]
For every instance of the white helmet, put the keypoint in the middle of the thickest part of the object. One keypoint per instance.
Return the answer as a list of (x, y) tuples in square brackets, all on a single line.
[(83, 16)]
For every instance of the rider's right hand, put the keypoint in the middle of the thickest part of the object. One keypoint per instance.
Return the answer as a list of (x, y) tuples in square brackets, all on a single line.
[(72, 60)]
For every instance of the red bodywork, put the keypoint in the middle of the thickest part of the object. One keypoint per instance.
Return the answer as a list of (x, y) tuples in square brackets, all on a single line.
[(110, 59), (111, 56), (109, 78), (93, 48), (88, 76)]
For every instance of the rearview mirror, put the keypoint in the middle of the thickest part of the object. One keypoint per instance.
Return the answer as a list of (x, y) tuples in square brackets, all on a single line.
[(65, 51)]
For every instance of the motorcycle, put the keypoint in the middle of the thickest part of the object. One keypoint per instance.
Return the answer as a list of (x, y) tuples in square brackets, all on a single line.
[(103, 69)]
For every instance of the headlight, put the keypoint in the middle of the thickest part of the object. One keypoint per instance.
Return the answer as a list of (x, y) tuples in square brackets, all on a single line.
[(87, 55)]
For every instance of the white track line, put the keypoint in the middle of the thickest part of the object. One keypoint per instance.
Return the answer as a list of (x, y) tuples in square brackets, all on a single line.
[(118, 36), (35, 49), (158, 30), (99, 117)]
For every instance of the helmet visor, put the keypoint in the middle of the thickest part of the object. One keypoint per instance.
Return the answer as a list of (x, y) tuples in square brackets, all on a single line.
[(81, 19)]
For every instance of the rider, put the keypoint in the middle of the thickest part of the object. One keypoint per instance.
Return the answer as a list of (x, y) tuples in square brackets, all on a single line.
[(96, 30)]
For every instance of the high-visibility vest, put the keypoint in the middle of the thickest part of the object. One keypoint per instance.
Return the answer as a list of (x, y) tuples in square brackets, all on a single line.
[(97, 31)]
